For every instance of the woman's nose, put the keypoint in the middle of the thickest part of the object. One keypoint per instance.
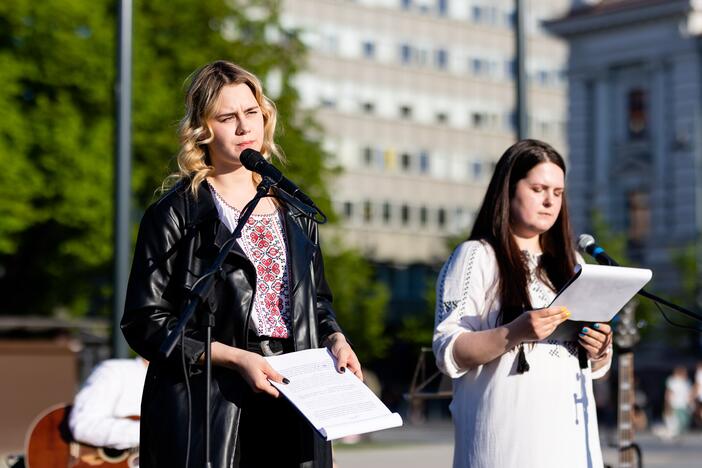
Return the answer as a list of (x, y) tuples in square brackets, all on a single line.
[(242, 129)]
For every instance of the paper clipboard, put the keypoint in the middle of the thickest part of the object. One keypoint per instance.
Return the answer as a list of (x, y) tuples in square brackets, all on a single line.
[(596, 293)]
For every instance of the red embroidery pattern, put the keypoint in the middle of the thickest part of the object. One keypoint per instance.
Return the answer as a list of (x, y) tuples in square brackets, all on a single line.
[(264, 243)]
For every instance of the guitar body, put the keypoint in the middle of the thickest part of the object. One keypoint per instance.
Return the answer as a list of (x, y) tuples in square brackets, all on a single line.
[(50, 445)]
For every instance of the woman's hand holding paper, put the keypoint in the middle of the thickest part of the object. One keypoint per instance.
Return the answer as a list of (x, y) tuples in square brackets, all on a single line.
[(596, 340)]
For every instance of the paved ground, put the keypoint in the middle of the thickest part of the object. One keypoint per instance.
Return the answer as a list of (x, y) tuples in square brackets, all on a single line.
[(431, 446)]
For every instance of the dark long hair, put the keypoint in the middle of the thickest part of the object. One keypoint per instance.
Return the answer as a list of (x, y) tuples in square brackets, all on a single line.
[(493, 226)]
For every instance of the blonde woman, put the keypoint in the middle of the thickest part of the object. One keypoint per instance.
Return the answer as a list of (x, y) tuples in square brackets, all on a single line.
[(273, 298)]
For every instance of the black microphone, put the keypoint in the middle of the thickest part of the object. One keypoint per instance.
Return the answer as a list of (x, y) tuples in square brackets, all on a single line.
[(587, 244), (253, 161)]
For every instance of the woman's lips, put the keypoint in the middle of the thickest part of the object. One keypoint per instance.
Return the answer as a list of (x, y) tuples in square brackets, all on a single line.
[(245, 144)]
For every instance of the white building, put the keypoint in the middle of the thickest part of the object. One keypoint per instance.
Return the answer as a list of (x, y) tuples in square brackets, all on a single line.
[(634, 122), (417, 99)]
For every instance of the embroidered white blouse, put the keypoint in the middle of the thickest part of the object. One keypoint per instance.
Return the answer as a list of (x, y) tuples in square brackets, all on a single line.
[(543, 418), (263, 241)]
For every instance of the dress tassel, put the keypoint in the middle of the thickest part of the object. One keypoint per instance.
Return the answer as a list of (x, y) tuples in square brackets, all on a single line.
[(522, 363)]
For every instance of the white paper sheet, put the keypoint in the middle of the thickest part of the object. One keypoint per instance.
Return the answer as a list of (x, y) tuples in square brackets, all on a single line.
[(598, 292), (336, 404)]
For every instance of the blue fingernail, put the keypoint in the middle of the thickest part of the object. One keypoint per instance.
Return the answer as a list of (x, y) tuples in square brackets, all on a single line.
[(597, 325), (584, 330)]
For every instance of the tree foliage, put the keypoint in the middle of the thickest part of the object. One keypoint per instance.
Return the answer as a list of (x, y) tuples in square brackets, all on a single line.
[(58, 68)]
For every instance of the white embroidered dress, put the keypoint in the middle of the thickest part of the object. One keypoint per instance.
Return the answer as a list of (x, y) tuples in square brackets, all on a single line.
[(544, 418)]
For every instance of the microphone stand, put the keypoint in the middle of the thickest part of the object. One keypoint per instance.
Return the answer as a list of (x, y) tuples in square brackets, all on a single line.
[(199, 293), (655, 298), (676, 307)]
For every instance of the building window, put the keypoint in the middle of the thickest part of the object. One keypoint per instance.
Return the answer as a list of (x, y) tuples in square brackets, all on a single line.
[(458, 217), (511, 69), (637, 114), (476, 170), (423, 216), (441, 217), (638, 217), (368, 49), (478, 119), (511, 19), (389, 159), (405, 54), (405, 214), (477, 13), (367, 211), (542, 77), (387, 212), (348, 210), (477, 66), (442, 118), (511, 121), (368, 156), (405, 161), (441, 59), (368, 107), (405, 112), (406, 4), (422, 56), (327, 103), (442, 7), (423, 162)]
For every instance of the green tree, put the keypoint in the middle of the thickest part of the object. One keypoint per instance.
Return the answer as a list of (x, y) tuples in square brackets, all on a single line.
[(57, 137), (615, 244), (418, 329), (359, 301), (55, 146)]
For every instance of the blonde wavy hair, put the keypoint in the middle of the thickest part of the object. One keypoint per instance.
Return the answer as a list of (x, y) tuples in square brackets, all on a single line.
[(194, 163)]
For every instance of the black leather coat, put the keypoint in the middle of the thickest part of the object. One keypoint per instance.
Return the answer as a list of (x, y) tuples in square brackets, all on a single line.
[(178, 239)]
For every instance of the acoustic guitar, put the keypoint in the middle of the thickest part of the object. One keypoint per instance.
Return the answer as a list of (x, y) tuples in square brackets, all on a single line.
[(49, 444), (626, 336)]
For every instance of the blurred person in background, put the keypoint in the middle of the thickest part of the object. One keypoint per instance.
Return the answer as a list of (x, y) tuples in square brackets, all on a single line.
[(678, 403), (106, 410), (521, 400), (273, 297)]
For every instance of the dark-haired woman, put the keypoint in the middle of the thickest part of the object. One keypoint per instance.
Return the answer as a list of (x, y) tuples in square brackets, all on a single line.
[(520, 399)]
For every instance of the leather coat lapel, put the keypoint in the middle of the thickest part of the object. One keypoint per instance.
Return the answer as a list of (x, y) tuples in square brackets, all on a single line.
[(301, 248)]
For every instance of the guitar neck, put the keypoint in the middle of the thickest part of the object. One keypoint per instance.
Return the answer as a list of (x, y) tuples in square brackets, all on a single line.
[(625, 419)]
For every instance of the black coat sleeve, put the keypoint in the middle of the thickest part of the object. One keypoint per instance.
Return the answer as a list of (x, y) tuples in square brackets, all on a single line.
[(326, 318), (155, 291)]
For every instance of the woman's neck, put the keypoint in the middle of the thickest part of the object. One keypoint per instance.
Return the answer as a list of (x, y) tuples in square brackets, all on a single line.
[(530, 244), (237, 187), (239, 179)]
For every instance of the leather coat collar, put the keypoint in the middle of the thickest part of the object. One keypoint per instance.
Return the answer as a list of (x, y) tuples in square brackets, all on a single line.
[(297, 240)]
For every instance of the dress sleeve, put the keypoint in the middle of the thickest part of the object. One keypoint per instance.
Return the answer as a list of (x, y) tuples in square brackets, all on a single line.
[(461, 300), (599, 373)]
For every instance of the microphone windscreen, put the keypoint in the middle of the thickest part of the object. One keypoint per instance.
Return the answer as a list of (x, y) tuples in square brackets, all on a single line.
[(250, 158), (585, 241)]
